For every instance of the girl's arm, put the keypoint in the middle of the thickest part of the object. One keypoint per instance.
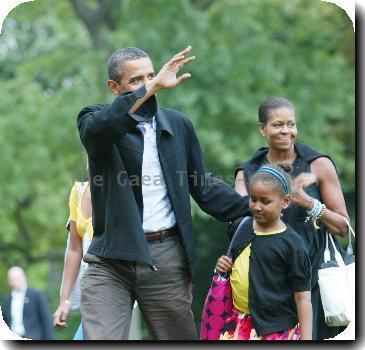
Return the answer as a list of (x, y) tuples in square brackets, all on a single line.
[(224, 264), (304, 309), (70, 270)]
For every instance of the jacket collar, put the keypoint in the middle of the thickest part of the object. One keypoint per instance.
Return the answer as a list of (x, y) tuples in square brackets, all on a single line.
[(163, 123)]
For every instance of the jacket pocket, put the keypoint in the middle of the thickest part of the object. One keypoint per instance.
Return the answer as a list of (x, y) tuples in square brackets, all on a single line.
[(175, 153)]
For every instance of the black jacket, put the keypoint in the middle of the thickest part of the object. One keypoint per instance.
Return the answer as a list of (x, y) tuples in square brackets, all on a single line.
[(36, 315), (115, 148)]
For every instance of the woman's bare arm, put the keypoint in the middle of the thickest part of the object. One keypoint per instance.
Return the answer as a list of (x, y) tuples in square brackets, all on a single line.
[(239, 183)]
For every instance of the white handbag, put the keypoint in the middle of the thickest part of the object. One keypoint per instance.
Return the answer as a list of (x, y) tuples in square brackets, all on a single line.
[(336, 279), (75, 296)]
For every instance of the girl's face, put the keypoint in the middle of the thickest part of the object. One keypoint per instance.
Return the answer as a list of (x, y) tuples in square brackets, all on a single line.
[(266, 203), (280, 129)]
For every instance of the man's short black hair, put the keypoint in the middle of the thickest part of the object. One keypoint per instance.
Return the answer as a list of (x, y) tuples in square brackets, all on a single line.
[(116, 60)]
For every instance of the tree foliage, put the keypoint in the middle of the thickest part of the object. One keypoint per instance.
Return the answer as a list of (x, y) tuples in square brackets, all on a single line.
[(52, 63)]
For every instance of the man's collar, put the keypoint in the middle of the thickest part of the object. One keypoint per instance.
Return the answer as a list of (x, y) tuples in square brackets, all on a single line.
[(163, 123), (20, 292), (151, 122)]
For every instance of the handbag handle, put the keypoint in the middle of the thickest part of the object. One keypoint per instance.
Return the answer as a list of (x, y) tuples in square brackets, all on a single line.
[(327, 256), (350, 250), (234, 235), (338, 257)]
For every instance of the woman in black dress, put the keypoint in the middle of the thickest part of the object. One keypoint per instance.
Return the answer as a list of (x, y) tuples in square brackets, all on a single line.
[(278, 125)]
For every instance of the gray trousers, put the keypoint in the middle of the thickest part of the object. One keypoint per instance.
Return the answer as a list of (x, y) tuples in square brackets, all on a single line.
[(109, 288)]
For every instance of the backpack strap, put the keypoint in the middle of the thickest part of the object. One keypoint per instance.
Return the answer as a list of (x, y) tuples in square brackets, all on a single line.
[(229, 253), (79, 188)]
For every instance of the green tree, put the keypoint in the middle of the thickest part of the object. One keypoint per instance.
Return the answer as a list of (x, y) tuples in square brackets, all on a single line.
[(52, 63)]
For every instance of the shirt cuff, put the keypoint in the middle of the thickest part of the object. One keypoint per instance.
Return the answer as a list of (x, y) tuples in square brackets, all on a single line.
[(132, 96), (145, 112)]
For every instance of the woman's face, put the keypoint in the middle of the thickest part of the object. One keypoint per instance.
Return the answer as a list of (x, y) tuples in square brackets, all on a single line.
[(280, 129)]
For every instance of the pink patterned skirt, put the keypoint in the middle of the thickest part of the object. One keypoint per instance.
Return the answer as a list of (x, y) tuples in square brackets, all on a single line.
[(239, 327)]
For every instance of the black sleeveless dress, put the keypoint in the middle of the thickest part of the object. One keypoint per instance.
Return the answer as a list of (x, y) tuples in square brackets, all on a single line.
[(315, 240)]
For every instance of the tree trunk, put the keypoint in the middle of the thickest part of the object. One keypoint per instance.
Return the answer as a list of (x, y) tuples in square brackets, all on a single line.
[(106, 14)]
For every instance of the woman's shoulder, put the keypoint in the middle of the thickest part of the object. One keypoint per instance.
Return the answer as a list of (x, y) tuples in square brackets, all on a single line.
[(308, 153), (321, 163), (254, 161)]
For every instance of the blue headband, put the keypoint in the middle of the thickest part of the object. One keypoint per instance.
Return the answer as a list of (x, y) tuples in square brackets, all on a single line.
[(277, 174)]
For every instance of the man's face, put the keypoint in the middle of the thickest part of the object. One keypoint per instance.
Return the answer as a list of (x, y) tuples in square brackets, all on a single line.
[(135, 74), (17, 279)]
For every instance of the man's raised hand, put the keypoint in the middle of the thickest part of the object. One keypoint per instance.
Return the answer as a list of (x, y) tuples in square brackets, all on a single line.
[(167, 76)]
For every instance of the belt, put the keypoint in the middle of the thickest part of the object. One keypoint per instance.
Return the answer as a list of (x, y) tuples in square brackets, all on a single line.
[(161, 235)]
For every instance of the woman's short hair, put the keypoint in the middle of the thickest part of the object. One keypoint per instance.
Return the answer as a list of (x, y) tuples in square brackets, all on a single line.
[(272, 103)]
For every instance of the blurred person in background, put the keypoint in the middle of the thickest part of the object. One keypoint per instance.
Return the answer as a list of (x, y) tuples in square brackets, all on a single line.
[(316, 185), (25, 310), (80, 235)]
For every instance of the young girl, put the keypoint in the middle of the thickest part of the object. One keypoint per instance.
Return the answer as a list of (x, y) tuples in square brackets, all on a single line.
[(270, 268)]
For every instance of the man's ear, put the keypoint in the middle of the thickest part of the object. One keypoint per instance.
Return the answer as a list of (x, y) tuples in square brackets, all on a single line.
[(113, 86), (286, 201)]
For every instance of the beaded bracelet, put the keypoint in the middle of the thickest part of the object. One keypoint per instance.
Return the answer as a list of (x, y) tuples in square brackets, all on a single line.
[(315, 212), (322, 211), (316, 208)]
